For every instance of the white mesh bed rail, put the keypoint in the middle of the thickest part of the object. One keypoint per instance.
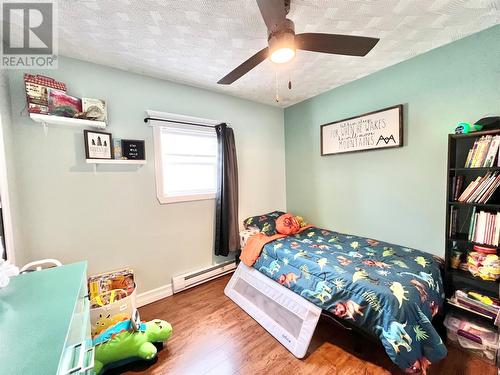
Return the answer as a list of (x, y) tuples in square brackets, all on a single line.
[(288, 317)]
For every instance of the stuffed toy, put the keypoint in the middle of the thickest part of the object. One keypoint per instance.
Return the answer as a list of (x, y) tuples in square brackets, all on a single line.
[(287, 224), (465, 127), (301, 221), (128, 341), (104, 322)]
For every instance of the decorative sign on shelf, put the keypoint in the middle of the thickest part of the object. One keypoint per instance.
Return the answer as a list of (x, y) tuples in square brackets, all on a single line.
[(371, 131), (133, 149), (98, 145)]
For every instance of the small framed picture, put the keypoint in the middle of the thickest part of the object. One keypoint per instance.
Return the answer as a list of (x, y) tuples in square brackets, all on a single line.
[(133, 149), (98, 145)]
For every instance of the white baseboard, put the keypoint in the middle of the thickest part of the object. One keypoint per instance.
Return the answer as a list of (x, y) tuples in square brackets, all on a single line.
[(154, 295)]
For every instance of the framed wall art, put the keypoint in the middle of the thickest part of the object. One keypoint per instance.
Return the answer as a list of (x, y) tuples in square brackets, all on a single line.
[(98, 145), (370, 131)]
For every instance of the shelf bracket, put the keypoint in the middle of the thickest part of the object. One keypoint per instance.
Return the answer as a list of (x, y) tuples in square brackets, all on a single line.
[(95, 168), (45, 128)]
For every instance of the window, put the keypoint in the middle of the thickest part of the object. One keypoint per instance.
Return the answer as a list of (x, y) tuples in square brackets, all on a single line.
[(186, 163)]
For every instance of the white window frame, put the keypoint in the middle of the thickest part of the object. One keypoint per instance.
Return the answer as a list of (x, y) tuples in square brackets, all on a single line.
[(178, 121)]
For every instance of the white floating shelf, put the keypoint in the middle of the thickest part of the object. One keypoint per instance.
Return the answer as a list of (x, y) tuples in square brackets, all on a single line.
[(114, 161), (66, 121)]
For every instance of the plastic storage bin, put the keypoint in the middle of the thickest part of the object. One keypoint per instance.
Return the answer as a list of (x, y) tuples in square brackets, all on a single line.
[(472, 336), (112, 298), (105, 316)]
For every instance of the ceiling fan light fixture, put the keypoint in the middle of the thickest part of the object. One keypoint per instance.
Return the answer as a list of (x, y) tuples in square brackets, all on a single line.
[(282, 46), (283, 55), (282, 42)]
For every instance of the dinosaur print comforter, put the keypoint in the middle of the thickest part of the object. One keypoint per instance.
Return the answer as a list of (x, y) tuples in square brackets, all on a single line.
[(388, 290)]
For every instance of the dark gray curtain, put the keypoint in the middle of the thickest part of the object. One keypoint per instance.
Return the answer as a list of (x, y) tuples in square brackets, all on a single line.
[(226, 210)]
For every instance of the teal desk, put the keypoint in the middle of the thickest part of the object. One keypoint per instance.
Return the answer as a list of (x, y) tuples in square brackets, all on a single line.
[(44, 323)]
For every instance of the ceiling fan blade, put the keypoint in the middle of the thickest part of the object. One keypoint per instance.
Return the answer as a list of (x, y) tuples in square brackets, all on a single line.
[(273, 12), (335, 43), (244, 68)]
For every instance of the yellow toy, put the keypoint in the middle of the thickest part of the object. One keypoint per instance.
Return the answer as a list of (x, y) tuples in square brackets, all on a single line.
[(484, 299), (301, 221), (104, 322)]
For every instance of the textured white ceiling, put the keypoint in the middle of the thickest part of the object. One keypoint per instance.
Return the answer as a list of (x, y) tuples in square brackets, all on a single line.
[(199, 41)]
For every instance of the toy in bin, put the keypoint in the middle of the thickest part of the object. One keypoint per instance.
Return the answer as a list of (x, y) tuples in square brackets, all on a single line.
[(112, 299), (475, 301), (128, 341), (484, 263), (105, 282), (113, 307)]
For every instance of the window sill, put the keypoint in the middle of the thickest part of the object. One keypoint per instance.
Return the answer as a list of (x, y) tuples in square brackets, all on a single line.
[(185, 198)]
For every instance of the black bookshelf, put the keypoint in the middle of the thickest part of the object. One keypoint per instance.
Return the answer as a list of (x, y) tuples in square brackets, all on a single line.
[(476, 169), (458, 148), (477, 205)]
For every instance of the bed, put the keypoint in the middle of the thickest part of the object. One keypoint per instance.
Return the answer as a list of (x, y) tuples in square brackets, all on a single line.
[(388, 291)]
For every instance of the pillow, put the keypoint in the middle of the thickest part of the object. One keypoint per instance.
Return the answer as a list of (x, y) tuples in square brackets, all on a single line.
[(265, 223), (288, 224), (246, 234)]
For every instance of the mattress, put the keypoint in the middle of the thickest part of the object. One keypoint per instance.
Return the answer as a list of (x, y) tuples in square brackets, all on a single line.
[(391, 292)]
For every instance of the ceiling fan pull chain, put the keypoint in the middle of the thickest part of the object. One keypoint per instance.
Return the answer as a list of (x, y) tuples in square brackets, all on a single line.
[(276, 84)]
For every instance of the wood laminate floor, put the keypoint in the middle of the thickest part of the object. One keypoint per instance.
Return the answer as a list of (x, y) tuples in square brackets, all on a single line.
[(213, 336)]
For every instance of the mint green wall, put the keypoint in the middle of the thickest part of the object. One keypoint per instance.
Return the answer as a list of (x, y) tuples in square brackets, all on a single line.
[(112, 218), (396, 195), (63, 210)]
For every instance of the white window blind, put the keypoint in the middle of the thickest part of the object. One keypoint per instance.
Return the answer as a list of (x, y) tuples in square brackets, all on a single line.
[(186, 163)]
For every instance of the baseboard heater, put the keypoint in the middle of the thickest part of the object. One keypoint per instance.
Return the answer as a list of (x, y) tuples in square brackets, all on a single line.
[(190, 279)]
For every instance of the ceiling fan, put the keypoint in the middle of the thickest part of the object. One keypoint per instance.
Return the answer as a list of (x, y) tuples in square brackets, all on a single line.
[(283, 42)]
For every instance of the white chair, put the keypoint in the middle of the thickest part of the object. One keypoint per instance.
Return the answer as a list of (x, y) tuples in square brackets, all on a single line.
[(39, 265)]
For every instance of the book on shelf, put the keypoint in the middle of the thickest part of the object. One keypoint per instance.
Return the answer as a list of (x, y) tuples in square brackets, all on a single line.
[(472, 224), (484, 228), (453, 221), (479, 190), (484, 152), (491, 155), (456, 187)]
